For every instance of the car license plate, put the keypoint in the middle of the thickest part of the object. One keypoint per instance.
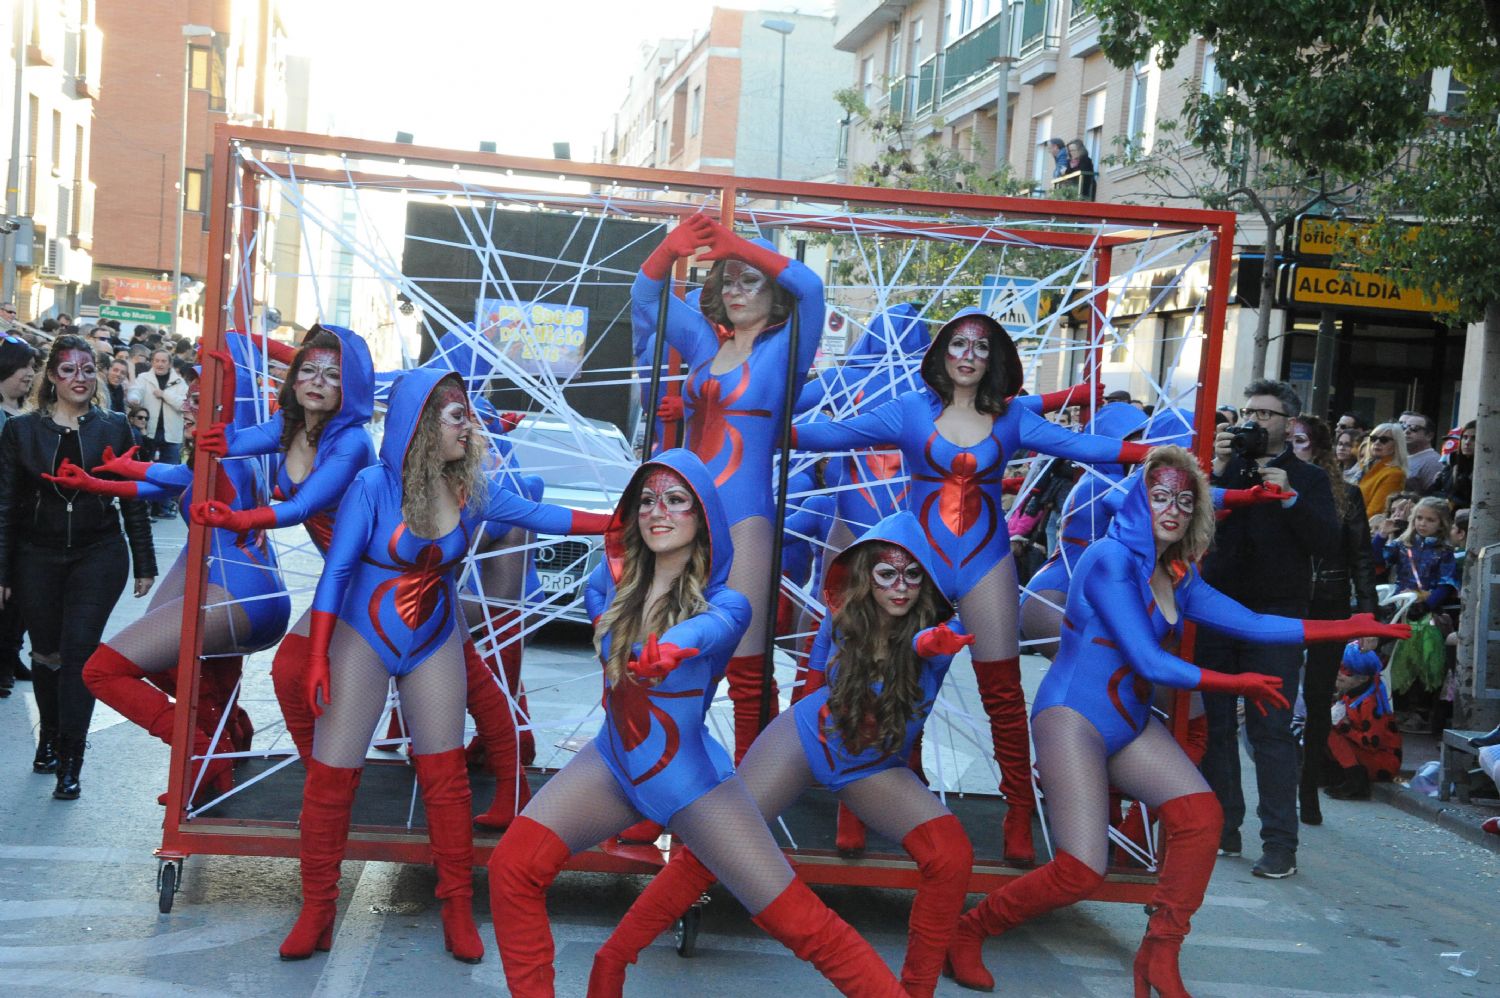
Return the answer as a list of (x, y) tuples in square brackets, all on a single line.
[(558, 582)]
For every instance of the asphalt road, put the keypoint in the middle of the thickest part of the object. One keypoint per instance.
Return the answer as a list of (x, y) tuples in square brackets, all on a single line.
[(1379, 896)]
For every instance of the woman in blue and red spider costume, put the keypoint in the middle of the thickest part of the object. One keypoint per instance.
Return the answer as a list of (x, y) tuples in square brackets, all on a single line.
[(956, 435), (1093, 724), (736, 350), (246, 607), (665, 624), (387, 606), (318, 438), (878, 663)]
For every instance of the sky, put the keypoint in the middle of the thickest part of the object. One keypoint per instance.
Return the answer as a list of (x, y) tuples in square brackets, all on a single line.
[(521, 73)]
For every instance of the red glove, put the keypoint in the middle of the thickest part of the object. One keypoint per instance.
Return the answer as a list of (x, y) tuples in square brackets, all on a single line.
[(1132, 452), (123, 465), (212, 439), (812, 681), (1256, 687), (657, 660), (510, 420), (1010, 486), (723, 244), (670, 409), (70, 476), (1243, 498), (683, 240), (940, 640), (1361, 625), (320, 636), (217, 514), (281, 353), (589, 523), (1086, 395)]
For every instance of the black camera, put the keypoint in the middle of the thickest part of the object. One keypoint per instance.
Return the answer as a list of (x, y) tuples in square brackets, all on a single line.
[(1250, 440)]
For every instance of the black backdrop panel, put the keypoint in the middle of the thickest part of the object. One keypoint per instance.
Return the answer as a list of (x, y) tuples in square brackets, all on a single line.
[(541, 254)]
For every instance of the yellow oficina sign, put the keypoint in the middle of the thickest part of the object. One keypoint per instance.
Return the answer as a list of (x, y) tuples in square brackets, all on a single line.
[(1317, 236), (1359, 289)]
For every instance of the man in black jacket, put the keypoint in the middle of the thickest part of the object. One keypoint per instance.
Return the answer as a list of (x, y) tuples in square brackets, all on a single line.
[(1262, 557)]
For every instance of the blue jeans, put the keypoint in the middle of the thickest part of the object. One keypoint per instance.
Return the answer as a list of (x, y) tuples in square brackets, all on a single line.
[(1273, 747)]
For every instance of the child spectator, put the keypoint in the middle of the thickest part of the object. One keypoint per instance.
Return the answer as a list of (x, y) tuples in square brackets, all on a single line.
[(1421, 559), (1459, 538), (1365, 742)]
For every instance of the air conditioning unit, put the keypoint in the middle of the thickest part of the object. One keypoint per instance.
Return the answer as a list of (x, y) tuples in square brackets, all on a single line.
[(52, 263)]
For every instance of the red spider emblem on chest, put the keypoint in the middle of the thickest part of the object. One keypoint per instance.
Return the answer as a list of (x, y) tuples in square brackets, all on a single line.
[(420, 592), (709, 428), (963, 499), (631, 714)]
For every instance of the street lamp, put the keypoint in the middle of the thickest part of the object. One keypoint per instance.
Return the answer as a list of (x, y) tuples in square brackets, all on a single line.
[(783, 28), (189, 32)]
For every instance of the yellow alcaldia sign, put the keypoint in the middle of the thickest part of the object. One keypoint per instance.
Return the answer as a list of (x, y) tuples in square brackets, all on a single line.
[(1355, 289)]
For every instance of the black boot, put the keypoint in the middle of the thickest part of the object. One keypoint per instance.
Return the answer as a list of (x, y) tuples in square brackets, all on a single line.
[(69, 762), (45, 760), (1492, 738), (21, 672), (1355, 785), (1311, 810)]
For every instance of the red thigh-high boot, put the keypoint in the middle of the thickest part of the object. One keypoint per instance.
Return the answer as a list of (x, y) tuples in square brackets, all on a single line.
[(511, 649), (287, 671), (1194, 747), (745, 678), (497, 732), (944, 860), (849, 834), (1191, 827), (1005, 703), (327, 800), (805, 925), (671, 893), (120, 683), (445, 796), (1056, 884), (521, 869)]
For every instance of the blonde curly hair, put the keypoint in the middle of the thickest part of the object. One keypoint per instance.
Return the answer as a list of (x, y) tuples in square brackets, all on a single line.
[(424, 471)]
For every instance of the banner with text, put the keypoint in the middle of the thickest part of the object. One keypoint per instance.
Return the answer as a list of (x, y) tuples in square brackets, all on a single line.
[(537, 336)]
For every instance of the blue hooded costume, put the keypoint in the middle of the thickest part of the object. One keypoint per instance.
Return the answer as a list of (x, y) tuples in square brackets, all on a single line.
[(1116, 643), (243, 565), (655, 740), (344, 448), (832, 762), (732, 419), (394, 588), (956, 491)]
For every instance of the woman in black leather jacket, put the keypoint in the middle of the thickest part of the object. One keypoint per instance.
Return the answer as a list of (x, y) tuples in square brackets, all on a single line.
[(1342, 584), (61, 551)]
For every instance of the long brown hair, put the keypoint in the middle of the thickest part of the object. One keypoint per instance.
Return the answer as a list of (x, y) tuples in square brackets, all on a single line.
[(711, 303), (293, 418), (1195, 542), (1320, 446), (1002, 376), (44, 392), (874, 647), (628, 619), (423, 471)]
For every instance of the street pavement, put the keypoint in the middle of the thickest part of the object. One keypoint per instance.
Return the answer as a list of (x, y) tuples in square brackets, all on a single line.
[(1379, 896)]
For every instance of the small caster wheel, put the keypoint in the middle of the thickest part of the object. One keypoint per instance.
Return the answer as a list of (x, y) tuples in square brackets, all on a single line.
[(686, 931), (166, 886)]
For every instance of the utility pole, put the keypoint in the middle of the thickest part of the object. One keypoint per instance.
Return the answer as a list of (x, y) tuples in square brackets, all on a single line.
[(8, 281)]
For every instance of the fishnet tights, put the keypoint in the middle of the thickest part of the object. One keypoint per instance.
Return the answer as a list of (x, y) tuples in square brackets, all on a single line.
[(989, 611), (1076, 775), (750, 575)]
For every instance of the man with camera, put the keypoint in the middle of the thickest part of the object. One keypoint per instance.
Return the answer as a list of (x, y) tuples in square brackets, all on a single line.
[(1262, 557)]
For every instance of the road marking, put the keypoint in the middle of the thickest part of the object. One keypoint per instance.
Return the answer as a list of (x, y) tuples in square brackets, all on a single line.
[(78, 854), (358, 933), (1106, 987), (87, 982), (1233, 902), (1085, 956), (213, 935), (1261, 945)]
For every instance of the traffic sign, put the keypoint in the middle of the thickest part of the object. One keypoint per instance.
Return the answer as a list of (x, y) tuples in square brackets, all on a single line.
[(1014, 302), (1303, 285), (129, 313)]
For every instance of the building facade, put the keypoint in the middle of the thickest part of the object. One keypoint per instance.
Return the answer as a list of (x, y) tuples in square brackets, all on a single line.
[(51, 70), (937, 64), (712, 103)]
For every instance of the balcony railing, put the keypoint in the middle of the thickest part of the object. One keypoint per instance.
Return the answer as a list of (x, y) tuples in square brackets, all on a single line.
[(1039, 27), (897, 97), (927, 85), (971, 57)]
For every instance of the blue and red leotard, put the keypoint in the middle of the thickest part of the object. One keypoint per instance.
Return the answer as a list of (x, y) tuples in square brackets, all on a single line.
[(832, 763), (655, 739)]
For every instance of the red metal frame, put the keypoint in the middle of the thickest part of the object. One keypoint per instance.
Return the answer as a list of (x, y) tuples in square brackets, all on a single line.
[(205, 835)]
